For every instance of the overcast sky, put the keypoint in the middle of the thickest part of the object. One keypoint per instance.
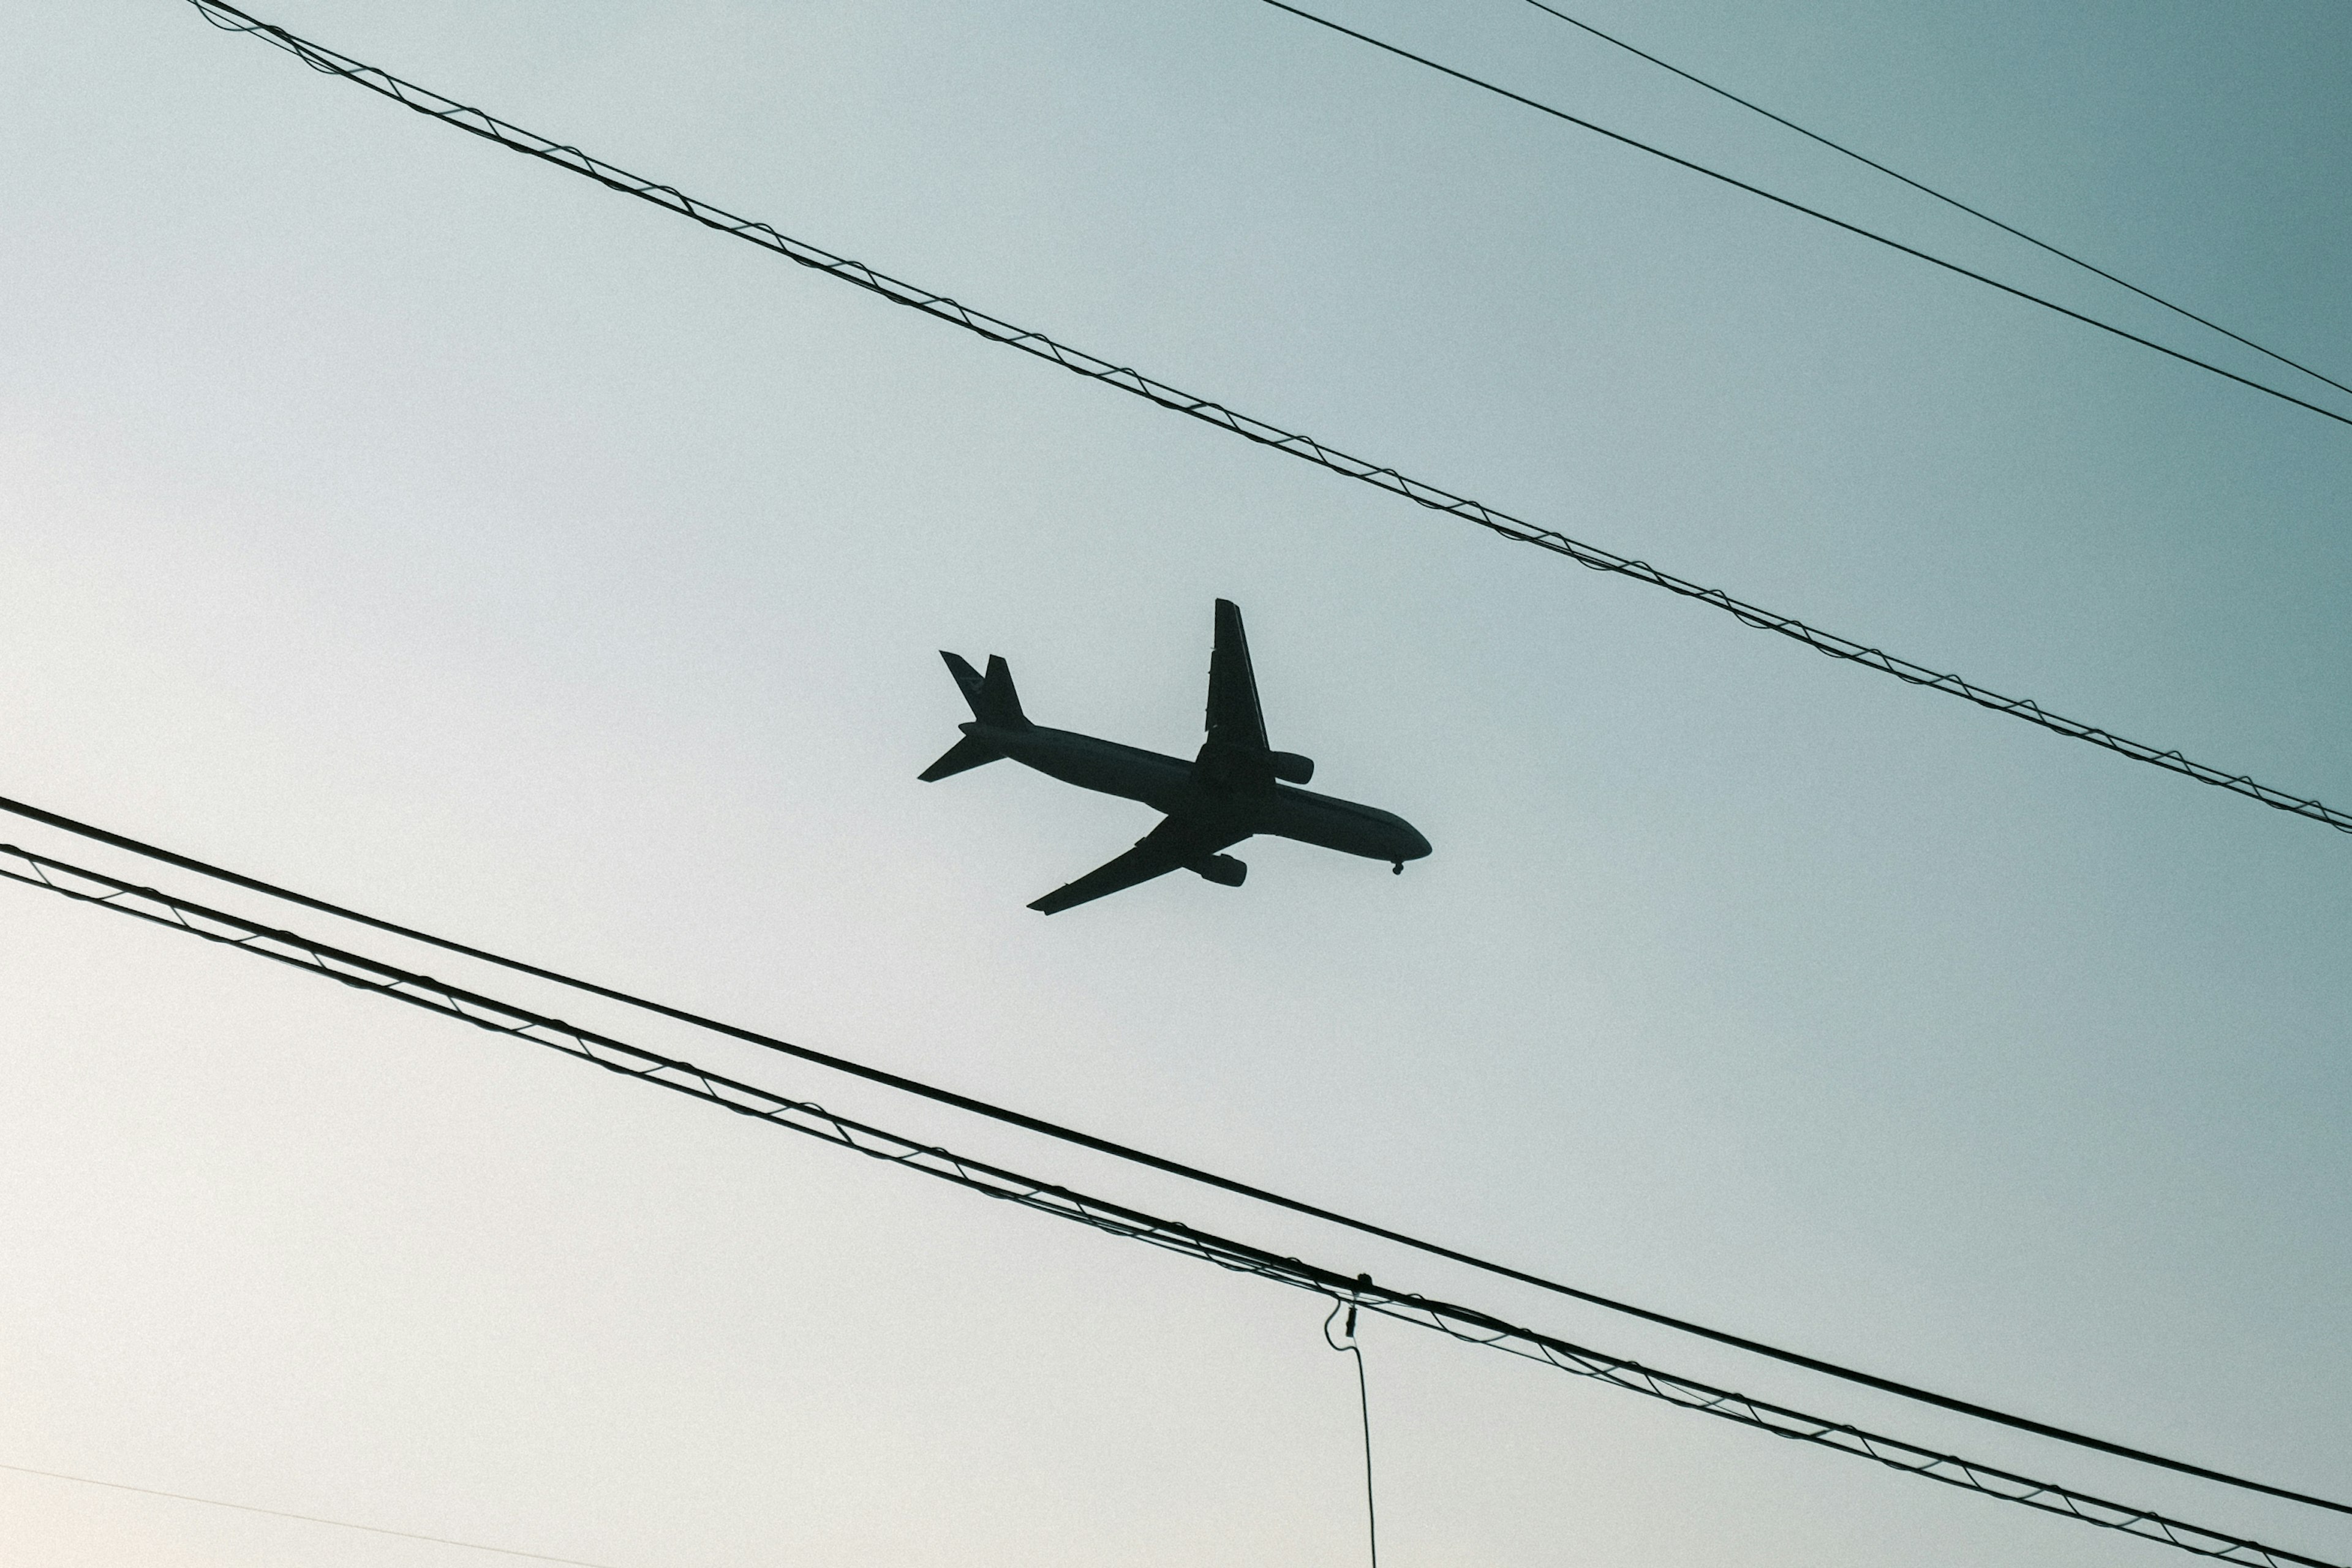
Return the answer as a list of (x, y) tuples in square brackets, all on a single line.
[(405, 522)]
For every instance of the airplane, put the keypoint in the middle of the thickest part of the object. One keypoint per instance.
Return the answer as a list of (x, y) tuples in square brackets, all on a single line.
[(1235, 787)]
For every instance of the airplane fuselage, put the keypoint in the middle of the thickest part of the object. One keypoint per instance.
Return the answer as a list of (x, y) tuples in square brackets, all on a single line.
[(1176, 787), (1237, 787)]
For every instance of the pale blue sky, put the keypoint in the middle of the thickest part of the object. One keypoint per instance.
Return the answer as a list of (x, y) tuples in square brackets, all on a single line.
[(392, 517)]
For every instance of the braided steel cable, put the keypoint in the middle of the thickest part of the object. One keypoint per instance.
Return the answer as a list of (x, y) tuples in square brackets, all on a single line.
[(1135, 1156), (1466, 1323), (478, 122)]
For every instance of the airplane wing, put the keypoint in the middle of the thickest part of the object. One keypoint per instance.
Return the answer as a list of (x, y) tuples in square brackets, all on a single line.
[(1169, 847), (1234, 716)]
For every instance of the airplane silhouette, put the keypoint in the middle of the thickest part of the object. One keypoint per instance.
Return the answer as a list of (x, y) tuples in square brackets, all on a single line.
[(1236, 787)]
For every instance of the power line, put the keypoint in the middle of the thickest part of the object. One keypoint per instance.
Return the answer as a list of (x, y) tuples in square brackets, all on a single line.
[(1543, 107), (304, 1518), (1929, 190), (476, 122), (1153, 1162), (1466, 1323)]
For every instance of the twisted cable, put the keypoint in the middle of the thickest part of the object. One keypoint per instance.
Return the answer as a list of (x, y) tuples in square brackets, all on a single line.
[(478, 122), (1177, 1168), (1467, 1324)]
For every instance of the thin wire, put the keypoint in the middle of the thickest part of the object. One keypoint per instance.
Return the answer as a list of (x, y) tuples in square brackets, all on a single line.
[(476, 122), (1466, 1323), (305, 1518), (1853, 229), (1364, 1400), (1170, 1167), (1931, 191)]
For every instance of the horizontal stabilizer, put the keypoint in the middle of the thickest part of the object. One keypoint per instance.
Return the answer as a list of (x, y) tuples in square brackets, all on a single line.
[(966, 753)]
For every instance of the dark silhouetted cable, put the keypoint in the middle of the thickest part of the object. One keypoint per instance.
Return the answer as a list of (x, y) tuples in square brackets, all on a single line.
[(1911, 250), (304, 1518), (1928, 190), (1364, 1404), (475, 123), (1466, 1323), (1154, 1162)]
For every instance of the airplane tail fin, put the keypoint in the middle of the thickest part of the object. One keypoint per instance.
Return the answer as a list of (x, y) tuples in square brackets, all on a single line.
[(993, 702), (992, 698)]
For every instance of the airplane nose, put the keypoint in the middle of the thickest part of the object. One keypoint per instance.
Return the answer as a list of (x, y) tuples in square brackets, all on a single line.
[(1418, 847)]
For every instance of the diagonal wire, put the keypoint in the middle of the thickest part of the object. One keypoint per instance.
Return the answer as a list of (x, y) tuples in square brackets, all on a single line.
[(1170, 1167), (1928, 190), (1618, 136), (476, 122), (1468, 1324), (304, 1518), (1175, 1168)]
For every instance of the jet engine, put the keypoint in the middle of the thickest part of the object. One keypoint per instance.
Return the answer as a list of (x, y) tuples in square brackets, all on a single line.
[(1291, 768), (1223, 869)]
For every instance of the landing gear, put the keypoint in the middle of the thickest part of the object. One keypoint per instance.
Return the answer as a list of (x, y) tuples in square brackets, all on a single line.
[(1397, 869)]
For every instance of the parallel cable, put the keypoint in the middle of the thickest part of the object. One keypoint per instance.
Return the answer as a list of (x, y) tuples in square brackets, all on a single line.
[(1793, 205), (1170, 1167), (1466, 1324), (304, 1518), (1928, 190), (476, 122)]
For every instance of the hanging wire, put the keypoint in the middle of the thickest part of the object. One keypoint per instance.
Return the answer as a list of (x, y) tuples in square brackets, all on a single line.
[(476, 122), (1364, 1402), (1467, 1324)]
